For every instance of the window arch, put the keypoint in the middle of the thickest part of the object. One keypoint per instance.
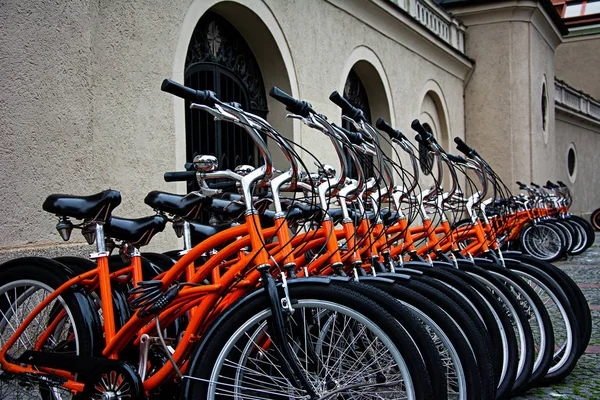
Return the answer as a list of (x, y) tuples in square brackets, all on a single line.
[(219, 59)]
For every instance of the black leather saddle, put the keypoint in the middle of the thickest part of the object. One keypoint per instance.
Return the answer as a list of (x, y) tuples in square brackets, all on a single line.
[(95, 207), (176, 204), (202, 232), (137, 232)]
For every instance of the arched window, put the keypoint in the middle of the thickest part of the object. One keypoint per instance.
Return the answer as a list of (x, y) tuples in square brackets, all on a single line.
[(356, 94), (219, 59)]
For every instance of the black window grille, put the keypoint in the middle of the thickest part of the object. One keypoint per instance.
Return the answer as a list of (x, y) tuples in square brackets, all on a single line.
[(219, 59), (356, 94)]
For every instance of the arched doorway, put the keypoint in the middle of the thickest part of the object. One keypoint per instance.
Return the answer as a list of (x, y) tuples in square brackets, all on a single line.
[(219, 59)]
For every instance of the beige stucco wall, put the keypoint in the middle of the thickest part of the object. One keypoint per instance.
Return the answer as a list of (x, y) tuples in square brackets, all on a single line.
[(585, 137), (82, 110), (513, 45), (577, 60)]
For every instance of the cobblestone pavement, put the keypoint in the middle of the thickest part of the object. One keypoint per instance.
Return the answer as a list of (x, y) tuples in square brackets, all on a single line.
[(584, 381)]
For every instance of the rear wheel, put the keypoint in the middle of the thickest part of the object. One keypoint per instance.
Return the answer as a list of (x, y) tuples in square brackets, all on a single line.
[(62, 323)]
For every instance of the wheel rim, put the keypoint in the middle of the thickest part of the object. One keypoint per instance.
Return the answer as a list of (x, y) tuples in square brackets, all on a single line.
[(330, 338), (19, 298)]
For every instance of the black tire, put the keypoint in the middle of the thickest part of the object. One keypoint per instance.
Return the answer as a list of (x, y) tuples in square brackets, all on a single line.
[(24, 284), (589, 228), (568, 232), (481, 307), (538, 318), (248, 322), (574, 295), (470, 347), (565, 325), (414, 329), (520, 324), (581, 236), (595, 219)]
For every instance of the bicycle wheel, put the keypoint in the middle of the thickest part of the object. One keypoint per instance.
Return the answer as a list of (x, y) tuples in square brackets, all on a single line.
[(464, 351), (344, 344), (568, 233), (542, 241), (595, 219), (538, 319), (409, 321), (482, 308), (580, 237), (62, 322), (589, 228), (520, 325), (565, 285), (567, 340)]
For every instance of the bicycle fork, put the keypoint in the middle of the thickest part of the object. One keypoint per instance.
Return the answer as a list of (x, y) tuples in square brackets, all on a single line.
[(290, 367)]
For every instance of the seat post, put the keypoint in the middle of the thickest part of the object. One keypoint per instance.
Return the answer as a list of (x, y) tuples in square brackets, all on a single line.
[(104, 283)]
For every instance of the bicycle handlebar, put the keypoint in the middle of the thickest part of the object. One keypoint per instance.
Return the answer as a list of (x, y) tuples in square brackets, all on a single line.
[(426, 136), (382, 125), (205, 97), (347, 109), (180, 176), (291, 104)]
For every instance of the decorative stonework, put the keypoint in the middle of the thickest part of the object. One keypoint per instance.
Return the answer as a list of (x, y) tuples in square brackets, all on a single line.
[(215, 40), (436, 19), (569, 99)]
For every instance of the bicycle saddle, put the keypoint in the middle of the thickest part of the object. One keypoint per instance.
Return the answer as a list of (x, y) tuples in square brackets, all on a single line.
[(176, 204), (137, 232), (95, 207), (202, 232)]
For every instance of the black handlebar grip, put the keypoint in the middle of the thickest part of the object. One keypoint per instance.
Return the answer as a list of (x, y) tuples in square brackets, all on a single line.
[(353, 137), (463, 147), (416, 125), (521, 183), (205, 97), (535, 185), (180, 176), (561, 183), (347, 109), (291, 104), (387, 128)]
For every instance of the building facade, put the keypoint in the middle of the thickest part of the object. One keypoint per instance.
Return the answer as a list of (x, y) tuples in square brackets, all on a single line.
[(82, 108)]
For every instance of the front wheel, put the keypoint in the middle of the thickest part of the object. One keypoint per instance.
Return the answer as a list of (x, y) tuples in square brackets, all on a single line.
[(345, 345)]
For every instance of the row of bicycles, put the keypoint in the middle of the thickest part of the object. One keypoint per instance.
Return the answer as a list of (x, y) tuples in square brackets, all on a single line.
[(544, 228), (304, 284)]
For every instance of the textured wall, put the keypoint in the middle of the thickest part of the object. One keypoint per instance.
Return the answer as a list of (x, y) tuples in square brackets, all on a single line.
[(513, 46), (586, 139), (82, 110), (496, 97), (577, 61)]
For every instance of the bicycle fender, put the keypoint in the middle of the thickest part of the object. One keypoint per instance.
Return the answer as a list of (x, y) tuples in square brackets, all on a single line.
[(77, 264), (54, 266)]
